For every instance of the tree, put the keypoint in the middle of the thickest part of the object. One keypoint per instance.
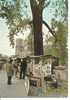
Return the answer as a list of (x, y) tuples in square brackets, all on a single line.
[(14, 19), (62, 34), (12, 11), (37, 23), (59, 48)]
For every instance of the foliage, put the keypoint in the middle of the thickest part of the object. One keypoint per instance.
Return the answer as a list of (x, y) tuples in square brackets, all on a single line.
[(59, 48), (17, 19), (10, 10), (60, 10)]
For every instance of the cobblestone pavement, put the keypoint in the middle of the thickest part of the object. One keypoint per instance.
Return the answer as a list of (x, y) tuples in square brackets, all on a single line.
[(17, 89)]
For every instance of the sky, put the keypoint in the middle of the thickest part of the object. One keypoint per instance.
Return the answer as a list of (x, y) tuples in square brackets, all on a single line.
[(4, 41)]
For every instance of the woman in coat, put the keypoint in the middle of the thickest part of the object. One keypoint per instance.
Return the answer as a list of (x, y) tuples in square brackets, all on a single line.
[(9, 70)]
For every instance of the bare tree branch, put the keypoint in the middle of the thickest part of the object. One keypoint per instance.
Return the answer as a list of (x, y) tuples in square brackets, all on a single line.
[(50, 30)]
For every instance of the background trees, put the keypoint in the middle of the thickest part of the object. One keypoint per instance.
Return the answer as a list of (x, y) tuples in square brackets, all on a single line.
[(59, 48)]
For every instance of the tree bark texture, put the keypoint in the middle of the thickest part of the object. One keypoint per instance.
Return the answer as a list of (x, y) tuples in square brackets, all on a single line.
[(37, 24)]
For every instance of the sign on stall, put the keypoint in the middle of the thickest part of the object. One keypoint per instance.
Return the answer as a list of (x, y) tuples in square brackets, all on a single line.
[(46, 69)]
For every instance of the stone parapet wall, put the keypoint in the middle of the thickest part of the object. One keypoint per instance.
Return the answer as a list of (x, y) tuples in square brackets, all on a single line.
[(61, 73)]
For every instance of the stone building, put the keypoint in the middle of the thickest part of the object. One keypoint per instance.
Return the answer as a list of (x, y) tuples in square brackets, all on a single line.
[(22, 48), (19, 49)]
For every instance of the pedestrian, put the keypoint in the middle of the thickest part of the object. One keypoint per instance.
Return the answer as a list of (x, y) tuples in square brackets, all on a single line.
[(23, 68), (15, 66), (9, 70)]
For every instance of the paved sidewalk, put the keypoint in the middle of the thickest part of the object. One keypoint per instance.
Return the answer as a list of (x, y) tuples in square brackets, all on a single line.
[(17, 89)]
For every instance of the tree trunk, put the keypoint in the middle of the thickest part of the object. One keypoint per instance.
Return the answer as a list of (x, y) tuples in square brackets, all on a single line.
[(37, 24)]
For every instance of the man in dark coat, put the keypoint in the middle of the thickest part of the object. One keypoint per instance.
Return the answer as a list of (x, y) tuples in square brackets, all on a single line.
[(23, 67)]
